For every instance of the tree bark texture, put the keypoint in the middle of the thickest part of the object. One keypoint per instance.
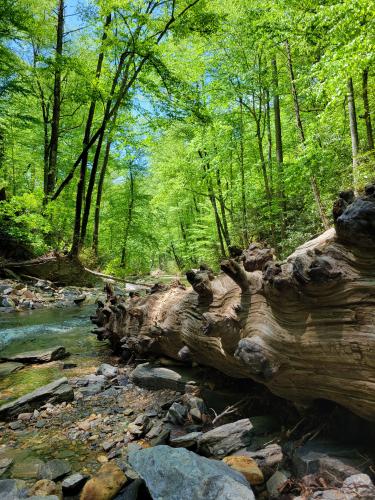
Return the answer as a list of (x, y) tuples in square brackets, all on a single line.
[(304, 327)]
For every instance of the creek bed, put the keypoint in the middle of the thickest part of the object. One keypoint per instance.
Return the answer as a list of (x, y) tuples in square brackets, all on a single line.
[(41, 329)]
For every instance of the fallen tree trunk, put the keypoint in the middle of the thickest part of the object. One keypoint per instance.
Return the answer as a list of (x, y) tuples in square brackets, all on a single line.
[(305, 327), (60, 269)]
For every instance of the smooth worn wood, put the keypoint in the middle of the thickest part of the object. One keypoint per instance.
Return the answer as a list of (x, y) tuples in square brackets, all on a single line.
[(305, 327)]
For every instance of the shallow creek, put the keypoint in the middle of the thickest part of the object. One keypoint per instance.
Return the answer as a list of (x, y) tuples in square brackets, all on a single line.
[(43, 328)]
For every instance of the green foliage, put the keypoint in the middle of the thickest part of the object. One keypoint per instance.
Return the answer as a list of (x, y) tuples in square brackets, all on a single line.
[(193, 165)]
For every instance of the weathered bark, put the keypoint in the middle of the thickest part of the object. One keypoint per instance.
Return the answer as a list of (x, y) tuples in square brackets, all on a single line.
[(304, 327)]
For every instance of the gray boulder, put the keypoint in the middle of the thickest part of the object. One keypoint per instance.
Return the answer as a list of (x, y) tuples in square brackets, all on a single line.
[(42, 356), (8, 489), (223, 440), (176, 473), (55, 392), (155, 378), (186, 440), (54, 469), (73, 484), (107, 370)]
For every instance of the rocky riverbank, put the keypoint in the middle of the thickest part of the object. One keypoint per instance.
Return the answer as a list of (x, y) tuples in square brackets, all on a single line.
[(31, 294), (157, 431)]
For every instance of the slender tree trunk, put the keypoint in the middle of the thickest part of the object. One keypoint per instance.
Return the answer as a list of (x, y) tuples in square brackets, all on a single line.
[(128, 221), (222, 209), (212, 197), (279, 145), (95, 238), (106, 117), (243, 187), (353, 128), (269, 139), (55, 122), (367, 114), (313, 181), (82, 174)]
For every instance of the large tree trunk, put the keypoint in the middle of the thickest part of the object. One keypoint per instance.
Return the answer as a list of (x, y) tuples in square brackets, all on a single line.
[(304, 327)]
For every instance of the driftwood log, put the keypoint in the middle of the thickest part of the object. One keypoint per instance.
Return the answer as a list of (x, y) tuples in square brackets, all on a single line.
[(62, 270), (304, 327)]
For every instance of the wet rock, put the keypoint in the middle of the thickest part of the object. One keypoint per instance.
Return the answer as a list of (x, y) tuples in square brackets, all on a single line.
[(43, 488), (174, 473), (185, 441), (5, 463), (225, 439), (73, 484), (105, 485), (177, 414), (8, 368), (55, 469), (8, 489), (155, 378), (42, 356), (55, 392), (43, 497), (275, 482), (107, 370), (79, 299), (247, 466), (27, 469), (7, 302)]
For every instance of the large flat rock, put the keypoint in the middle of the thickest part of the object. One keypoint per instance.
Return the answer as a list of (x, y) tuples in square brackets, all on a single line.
[(42, 356), (9, 367), (176, 473), (157, 377), (226, 438), (55, 392)]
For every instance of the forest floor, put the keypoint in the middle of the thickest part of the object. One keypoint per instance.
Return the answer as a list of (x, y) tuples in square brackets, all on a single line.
[(113, 411)]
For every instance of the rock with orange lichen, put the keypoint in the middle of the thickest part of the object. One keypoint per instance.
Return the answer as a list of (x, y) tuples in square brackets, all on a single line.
[(105, 485), (247, 466)]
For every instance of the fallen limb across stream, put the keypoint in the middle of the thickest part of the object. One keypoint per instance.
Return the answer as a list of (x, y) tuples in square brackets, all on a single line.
[(304, 327)]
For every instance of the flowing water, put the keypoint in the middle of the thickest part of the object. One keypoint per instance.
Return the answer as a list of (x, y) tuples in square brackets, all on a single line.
[(41, 329)]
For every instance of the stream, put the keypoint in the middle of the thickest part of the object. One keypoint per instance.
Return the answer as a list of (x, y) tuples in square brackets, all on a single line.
[(41, 329)]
